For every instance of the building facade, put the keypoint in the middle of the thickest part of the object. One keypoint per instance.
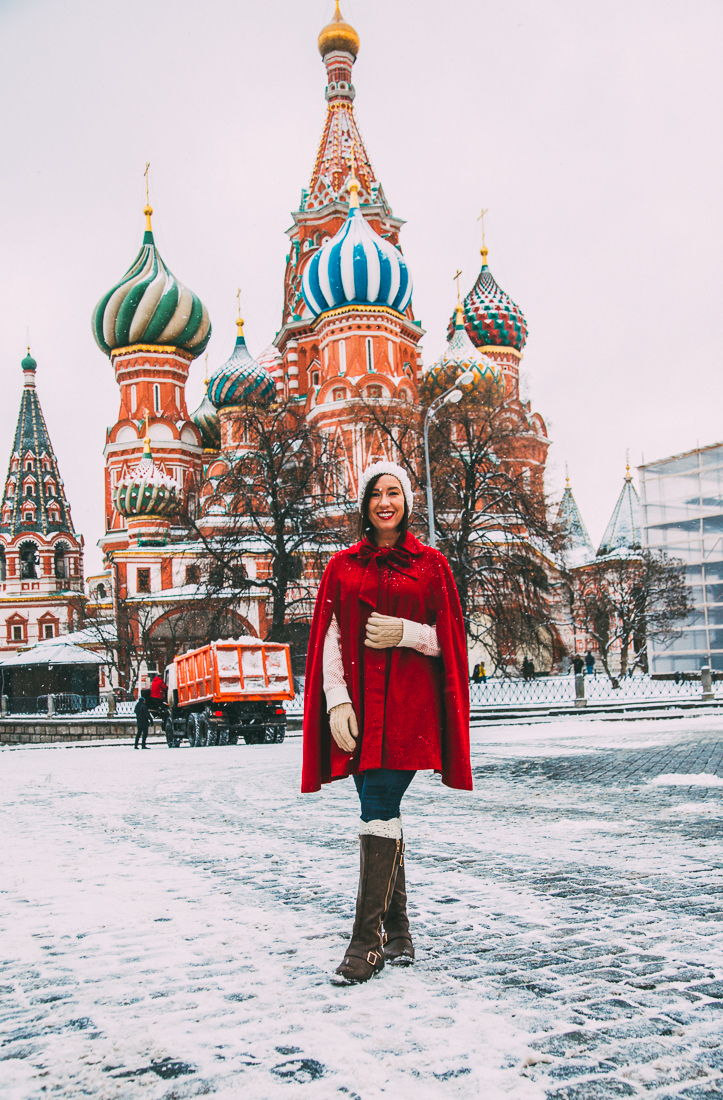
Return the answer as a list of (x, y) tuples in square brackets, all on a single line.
[(682, 499)]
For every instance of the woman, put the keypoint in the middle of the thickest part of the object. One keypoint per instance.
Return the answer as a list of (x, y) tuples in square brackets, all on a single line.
[(387, 694)]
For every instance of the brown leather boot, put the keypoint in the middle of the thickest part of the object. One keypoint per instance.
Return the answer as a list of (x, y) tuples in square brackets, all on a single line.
[(398, 946), (378, 857)]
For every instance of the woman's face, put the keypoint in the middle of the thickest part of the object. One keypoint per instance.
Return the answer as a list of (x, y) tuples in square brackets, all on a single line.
[(386, 504)]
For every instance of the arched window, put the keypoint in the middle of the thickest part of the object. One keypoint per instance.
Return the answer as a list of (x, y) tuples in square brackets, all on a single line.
[(3, 572), (134, 399), (100, 592), (370, 354), (390, 349), (29, 560), (157, 398), (342, 357), (315, 378), (61, 561)]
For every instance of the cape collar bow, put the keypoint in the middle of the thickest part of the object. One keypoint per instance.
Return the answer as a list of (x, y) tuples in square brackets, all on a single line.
[(400, 558)]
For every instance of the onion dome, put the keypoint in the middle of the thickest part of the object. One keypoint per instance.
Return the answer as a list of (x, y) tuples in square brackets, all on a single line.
[(146, 490), (150, 306), (28, 363), (241, 380), (459, 356), (338, 35), (356, 267), (206, 420), (490, 316)]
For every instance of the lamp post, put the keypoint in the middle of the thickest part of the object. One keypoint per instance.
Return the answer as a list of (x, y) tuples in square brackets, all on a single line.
[(450, 396)]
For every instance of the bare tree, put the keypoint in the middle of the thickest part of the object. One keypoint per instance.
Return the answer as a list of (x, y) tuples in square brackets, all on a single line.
[(622, 602), (490, 517), (285, 503)]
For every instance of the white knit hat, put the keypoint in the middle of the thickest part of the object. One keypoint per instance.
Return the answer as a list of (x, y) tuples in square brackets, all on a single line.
[(401, 475)]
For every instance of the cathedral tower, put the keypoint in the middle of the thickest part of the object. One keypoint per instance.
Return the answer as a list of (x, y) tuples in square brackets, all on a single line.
[(41, 557), (348, 331), (152, 327)]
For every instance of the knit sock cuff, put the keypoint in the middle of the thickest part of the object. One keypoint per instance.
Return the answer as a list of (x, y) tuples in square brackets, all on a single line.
[(391, 829)]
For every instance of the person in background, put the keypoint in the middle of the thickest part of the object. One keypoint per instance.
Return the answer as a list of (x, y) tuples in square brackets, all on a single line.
[(143, 717), (578, 664), (478, 673), (159, 691), (589, 663)]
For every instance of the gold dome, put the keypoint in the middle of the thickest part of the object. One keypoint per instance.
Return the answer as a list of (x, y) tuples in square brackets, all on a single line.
[(338, 35)]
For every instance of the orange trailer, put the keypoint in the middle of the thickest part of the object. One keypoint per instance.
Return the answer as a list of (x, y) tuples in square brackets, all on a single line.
[(229, 688)]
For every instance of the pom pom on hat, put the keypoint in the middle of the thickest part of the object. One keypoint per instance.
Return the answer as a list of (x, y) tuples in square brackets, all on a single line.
[(378, 468)]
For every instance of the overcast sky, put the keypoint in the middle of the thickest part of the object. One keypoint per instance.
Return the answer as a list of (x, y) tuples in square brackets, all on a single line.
[(591, 131)]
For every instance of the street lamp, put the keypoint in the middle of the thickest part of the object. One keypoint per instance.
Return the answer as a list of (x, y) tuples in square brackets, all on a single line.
[(449, 397)]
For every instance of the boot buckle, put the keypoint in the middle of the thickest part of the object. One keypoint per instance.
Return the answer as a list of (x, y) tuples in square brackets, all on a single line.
[(372, 958)]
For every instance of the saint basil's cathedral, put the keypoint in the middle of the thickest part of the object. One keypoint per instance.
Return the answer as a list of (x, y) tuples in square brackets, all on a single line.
[(348, 335)]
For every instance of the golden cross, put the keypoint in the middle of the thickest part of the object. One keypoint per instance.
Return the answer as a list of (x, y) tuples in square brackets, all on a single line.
[(456, 276), (147, 430), (146, 175), (481, 218), (567, 477), (238, 299), (627, 462)]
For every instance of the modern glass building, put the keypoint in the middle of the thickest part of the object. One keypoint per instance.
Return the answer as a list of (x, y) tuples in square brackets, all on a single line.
[(682, 500)]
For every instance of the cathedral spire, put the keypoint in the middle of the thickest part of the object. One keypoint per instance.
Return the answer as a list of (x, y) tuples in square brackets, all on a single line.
[(34, 498), (341, 142)]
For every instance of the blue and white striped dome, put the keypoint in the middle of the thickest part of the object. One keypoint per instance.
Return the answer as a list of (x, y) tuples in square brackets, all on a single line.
[(356, 267), (240, 380)]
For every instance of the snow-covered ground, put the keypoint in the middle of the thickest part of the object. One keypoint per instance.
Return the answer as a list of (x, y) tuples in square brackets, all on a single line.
[(169, 922)]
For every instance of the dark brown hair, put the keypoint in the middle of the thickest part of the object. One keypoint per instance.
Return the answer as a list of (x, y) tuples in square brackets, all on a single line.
[(366, 527)]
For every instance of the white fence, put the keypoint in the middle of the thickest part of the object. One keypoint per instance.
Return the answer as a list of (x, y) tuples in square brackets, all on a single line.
[(543, 692)]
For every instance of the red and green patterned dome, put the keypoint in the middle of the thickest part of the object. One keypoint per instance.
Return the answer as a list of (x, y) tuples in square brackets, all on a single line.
[(491, 318)]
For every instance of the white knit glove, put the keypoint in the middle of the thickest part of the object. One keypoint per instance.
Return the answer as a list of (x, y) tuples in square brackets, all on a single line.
[(383, 631), (344, 728)]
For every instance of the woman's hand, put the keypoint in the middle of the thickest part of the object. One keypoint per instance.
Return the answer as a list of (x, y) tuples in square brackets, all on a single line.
[(383, 631), (344, 728)]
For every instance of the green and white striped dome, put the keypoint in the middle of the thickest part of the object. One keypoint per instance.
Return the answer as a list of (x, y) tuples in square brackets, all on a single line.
[(150, 306), (146, 490)]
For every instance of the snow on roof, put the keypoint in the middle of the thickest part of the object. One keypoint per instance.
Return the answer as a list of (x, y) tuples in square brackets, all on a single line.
[(63, 654), (624, 531)]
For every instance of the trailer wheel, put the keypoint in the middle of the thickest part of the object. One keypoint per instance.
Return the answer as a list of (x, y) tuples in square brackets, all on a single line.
[(197, 730), (223, 737), (280, 735), (170, 734), (212, 737)]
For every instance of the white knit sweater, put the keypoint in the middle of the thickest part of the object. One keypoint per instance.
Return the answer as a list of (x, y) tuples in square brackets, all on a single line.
[(415, 636)]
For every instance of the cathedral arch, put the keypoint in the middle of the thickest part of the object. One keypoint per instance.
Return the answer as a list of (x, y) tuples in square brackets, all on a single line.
[(62, 560), (29, 560)]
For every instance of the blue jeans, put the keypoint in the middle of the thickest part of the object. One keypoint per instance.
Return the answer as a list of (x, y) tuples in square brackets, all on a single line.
[(380, 792)]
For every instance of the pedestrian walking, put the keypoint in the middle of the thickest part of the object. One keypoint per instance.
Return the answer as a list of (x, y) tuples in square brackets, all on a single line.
[(478, 673), (387, 695), (589, 663), (578, 664), (143, 717)]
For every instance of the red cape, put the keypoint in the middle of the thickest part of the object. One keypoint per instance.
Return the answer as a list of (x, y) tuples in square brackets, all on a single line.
[(412, 710)]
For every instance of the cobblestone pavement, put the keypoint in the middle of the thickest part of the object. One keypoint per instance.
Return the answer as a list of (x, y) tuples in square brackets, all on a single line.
[(169, 922)]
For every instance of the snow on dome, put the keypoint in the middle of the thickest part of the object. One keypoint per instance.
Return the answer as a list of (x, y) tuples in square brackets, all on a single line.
[(241, 380), (461, 355), (356, 267), (146, 490)]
